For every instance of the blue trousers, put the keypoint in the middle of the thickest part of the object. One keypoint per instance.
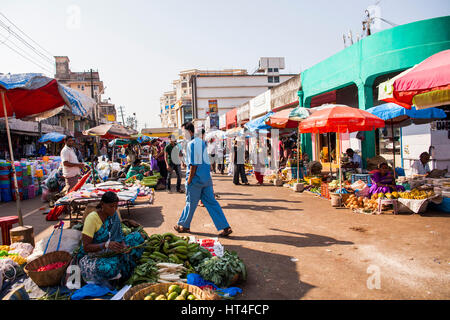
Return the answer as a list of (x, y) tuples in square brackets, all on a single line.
[(196, 192)]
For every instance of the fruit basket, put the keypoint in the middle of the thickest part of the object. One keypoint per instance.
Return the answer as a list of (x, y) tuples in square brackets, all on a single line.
[(50, 277), (162, 288)]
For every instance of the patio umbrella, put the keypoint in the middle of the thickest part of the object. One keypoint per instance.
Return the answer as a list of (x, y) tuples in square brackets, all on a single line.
[(426, 85), (35, 95), (52, 137), (340, 119), (395, 115), (111, 131)]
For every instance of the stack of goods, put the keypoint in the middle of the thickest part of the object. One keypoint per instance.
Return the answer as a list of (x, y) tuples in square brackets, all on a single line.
[(5, 182), (19, 181), (151, 181), (17, 252), (168, 258), (360, 204), (174, 292)]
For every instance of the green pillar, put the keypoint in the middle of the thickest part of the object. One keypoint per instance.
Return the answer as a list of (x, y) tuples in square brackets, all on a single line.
[(365, 100), (306, 137)]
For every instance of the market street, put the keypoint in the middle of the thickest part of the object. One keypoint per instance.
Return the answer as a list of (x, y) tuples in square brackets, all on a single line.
[(296, 246)]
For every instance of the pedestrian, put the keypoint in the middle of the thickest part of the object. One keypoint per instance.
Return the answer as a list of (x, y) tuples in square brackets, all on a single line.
[(161, 165), (212, 150), (238, 163), (259, 167), (220, 157), (199, 186), (171, 153), (70, 164)]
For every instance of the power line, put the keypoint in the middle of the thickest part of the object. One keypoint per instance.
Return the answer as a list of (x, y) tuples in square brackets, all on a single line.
[(28, 59), (51, 55), (42, 56), (21, 50)]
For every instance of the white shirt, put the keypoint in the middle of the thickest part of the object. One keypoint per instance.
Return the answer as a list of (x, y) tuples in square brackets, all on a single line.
[(356, 159), (419, 168), (212, 148), (68, 154)]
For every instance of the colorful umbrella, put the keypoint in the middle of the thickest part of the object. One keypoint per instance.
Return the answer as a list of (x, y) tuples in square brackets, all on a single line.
[(425, 85), (111, 131), (34, 95), (281, 120), (52, 137), (258, 123), (395, 115), (340, 119)]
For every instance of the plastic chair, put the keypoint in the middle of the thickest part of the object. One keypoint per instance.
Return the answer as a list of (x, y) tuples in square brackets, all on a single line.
[(382, 202), (6, 225)]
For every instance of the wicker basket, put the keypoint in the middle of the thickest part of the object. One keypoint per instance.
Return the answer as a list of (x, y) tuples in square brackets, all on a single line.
[(162, 288), (51, 277), (129, 294)]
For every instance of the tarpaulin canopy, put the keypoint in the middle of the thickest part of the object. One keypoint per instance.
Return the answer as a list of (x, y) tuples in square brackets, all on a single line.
[(258, 123), (111, 131), (52, 137), (34, 95), (159, 132), (425, 85)]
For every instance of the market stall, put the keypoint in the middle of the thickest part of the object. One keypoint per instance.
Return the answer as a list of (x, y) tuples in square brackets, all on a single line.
[(169, 267)]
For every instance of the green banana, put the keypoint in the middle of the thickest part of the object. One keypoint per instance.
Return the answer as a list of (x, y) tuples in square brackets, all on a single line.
[(178, 243), (174, 258), (192, 246), (180, 249), (166, 247), (181, 256)]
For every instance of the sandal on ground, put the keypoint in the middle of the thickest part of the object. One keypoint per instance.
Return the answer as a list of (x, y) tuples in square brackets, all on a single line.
[(226, 232), (181, 229)]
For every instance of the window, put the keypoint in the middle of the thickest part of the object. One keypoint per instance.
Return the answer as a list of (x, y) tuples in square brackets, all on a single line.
[(78, 86), (270, 79), (270, 70), (276, 79), (275, 69), (82, 88), (183, 84)]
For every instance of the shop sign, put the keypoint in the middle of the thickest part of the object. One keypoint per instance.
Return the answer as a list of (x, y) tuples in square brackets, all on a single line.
[(213, 114)]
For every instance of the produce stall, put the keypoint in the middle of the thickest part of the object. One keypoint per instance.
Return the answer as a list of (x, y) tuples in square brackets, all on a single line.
[(171, 267), (130, 194)]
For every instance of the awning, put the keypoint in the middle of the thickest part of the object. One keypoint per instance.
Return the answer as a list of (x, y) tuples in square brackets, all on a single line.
[(258, 123), (159, 132)]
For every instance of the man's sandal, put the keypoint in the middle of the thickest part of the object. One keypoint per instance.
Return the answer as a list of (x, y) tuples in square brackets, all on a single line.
[(181, 229), (226, 232)]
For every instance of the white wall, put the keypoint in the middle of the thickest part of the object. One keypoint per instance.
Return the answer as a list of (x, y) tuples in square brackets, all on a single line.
[(260, 105)]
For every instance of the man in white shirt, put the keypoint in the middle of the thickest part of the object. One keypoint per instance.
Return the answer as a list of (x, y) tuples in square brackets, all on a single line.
[(355, 161), (70, 164), (421, 166), (212, 150)]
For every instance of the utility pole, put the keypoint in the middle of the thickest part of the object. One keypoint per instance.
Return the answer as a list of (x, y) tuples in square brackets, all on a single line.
[(121, 113), (96, 102)]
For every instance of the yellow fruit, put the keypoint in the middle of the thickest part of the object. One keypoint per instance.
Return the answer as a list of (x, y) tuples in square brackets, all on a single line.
[(381, 195)]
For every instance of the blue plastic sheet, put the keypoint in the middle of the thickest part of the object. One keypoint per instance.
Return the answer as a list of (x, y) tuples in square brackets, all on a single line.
[(197, 280), (91, 291)]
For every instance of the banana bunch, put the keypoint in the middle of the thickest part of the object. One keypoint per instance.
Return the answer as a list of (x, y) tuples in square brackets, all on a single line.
[(416, 194), (168, 247)]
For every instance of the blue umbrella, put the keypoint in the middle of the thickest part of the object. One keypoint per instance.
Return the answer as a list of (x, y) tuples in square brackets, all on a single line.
[(52, 137), (397, 116), (258, 123)]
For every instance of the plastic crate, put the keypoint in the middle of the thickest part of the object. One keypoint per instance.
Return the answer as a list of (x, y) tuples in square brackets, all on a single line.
[(324, 191), (363, 177)]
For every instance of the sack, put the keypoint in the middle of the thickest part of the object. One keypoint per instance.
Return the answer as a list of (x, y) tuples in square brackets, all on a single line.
[(70, 241)]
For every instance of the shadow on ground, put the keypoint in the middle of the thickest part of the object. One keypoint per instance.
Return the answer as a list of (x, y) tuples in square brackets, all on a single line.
[(150, 216), (268, 208), (301, 240), (270, 276), (261, 200)]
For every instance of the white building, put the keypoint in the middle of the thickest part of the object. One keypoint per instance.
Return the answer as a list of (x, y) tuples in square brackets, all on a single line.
[(215, 95)]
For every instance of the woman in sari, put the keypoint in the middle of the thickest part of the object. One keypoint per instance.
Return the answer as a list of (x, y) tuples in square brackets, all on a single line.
[(102, 233), (383, 181)]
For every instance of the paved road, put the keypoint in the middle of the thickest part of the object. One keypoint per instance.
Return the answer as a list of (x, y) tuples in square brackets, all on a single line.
[(296, 246)]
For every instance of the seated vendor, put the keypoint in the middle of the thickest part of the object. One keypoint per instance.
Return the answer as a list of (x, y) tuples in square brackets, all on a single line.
[(102, 233), (421, 167), (355, 161), (383, 180), (139, 170)]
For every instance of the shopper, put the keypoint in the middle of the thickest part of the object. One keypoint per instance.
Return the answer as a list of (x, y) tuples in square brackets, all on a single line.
[(212, 150), (70, 164), (238, 161), (171, 151), (199, 186)]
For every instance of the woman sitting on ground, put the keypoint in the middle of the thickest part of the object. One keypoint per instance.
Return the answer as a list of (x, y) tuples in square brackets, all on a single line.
[(383, 180), (138, 169), (102, 232)]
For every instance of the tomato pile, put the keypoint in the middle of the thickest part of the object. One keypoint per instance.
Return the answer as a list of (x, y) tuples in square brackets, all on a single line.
[(51, 266)]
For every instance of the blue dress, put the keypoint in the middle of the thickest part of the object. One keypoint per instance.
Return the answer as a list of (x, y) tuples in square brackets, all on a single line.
[(99, 270)]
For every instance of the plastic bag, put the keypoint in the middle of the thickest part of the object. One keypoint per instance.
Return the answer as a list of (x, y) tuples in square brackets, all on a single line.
[(358, 185), (70, 241)]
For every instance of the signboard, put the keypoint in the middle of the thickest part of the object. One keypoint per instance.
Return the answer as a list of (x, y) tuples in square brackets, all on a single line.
[(213, 114), (110, 117)]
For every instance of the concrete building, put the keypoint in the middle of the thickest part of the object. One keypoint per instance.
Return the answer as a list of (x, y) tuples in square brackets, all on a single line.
[(214, 95), (168, 113)]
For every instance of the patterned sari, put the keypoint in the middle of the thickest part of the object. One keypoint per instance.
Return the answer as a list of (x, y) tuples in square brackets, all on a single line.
[(99, 270), (378, 180)]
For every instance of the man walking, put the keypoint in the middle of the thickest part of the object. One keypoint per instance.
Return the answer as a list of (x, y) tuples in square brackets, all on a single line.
[(70, 164), (170, 151), (238, 156), (199, 186)]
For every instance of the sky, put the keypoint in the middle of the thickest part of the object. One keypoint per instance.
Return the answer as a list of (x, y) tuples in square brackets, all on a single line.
[(140, 46)]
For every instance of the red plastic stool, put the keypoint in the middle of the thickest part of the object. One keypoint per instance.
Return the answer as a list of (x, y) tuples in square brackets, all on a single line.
[(6, 225)]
